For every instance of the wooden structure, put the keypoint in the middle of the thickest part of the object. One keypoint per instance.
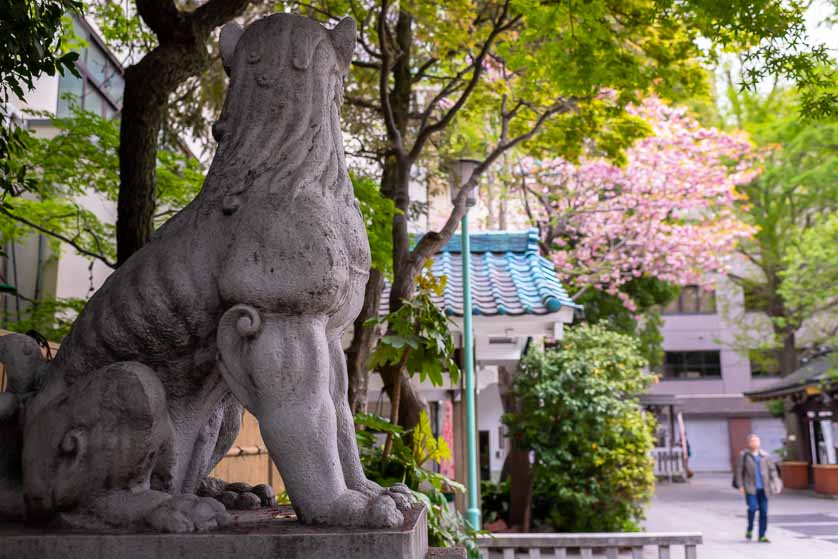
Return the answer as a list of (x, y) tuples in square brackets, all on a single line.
[(811, 401), (669, 463), (247, 460), (559, 546)]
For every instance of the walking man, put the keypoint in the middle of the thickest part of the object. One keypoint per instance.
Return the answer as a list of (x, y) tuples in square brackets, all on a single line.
[(756, 477)]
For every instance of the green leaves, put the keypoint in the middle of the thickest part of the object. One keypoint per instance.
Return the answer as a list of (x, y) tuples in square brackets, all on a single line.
[(80, 161), (418, 336), (411, 450), (378, 213), (579, 413)]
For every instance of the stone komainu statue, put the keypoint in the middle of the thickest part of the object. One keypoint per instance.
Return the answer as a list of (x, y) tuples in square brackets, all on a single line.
[(239, 299)]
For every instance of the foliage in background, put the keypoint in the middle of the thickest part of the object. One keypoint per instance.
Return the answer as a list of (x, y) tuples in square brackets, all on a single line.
[(648, 294), (30, 46), (810, 277), (494, 500), (796, 193), (406, 463), (418, 340), (669, 213), (75, 170), (378, 213), (581, 416)]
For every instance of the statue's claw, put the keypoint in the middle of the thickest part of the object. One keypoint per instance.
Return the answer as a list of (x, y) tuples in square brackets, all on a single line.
[(188, 513)]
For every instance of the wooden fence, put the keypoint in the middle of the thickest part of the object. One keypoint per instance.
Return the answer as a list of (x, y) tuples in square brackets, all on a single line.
[(587, 546), (247, 460)]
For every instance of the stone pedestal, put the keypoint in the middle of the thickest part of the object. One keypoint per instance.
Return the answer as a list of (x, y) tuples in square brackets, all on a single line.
[(260, 534)]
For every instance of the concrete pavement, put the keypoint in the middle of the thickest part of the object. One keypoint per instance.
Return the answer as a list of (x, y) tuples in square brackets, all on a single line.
[(800, 526)]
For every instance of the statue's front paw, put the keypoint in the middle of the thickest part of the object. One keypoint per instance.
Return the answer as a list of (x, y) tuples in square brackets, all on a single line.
[(399, 492), (401, 495), (188, 513), (356, 509), (384, 512)]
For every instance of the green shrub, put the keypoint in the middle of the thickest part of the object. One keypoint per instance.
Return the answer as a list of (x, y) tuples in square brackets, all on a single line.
[(410, 451), (580, 415)]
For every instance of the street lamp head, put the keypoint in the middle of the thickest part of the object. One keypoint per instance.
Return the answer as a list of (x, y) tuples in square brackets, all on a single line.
[(459, 173)]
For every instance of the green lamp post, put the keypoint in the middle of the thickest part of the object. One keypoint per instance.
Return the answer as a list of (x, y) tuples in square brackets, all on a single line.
[(460, 174)]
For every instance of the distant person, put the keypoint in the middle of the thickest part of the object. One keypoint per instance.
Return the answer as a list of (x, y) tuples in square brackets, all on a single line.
[(756, 477)]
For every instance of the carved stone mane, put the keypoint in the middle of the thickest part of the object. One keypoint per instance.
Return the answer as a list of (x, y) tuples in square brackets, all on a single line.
[(280, 124)]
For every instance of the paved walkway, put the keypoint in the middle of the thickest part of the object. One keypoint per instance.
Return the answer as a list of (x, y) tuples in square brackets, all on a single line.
[(800, 525)]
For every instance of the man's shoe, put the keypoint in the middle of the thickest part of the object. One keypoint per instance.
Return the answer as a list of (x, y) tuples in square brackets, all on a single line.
[(749, 535), (763, 539)]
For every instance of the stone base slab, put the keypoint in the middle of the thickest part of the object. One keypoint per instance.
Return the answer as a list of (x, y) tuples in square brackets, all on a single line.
[(260, 534)]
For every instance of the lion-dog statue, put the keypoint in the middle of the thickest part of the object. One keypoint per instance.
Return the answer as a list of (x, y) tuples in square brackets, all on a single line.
[(239, 299)]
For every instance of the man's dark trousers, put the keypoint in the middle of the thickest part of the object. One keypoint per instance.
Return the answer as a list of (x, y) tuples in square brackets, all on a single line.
[(757, 502)]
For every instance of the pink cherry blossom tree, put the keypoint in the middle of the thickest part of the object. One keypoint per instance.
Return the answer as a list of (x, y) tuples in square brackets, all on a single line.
[(668, 213)]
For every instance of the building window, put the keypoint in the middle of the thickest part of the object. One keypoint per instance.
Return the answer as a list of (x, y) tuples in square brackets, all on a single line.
[(692, 364), (693, 300), (99, 89)]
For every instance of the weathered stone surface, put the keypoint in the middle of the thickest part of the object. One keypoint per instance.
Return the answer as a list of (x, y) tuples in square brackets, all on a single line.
[(447, 553), (247, 501), (239, 487), (266, 494), (239, 299), (252, 535)]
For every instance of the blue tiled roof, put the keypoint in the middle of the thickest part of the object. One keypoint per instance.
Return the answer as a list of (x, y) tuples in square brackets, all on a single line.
[(508, 276)]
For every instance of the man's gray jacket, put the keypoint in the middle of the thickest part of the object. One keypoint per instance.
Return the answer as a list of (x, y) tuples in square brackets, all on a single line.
[(746, 471)]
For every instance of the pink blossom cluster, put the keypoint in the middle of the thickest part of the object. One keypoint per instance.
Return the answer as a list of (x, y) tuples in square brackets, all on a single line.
[(668, 213)]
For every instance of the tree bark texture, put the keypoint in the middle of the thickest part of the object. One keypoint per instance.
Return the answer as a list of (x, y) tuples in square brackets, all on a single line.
[(363, 340)]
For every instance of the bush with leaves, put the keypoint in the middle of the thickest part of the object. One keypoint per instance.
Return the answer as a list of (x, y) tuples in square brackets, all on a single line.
[(579, 413), (418, 340), (411, 451)]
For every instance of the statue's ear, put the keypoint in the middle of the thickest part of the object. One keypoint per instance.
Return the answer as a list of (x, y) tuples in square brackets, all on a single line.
[(227, 41), (74, 445), (343, 39)]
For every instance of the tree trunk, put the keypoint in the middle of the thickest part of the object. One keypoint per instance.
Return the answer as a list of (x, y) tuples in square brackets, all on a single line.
[(148, 85), (363, 340), (787, 355), (395, 182)]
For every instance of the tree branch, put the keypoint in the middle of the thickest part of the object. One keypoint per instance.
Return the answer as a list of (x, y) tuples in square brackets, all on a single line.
[(393, 133), (433, 241), (217, 12), (162, 17), (426, 130), (72, 242)]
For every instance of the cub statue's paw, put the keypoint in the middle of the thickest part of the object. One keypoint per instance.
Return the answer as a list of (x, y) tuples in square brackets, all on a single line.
[(239, 495), (356, 509), (188, 513)]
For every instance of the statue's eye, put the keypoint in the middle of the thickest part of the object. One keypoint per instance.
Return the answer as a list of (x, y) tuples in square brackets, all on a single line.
[(263, 80), (253, 57)]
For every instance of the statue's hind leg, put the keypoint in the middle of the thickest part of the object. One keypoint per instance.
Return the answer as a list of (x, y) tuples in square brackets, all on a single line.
[(353, 471), (279, 366)]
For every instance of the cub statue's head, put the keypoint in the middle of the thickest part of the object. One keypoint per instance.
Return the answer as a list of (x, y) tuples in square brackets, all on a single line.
[(282, 107), (102, 434)]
